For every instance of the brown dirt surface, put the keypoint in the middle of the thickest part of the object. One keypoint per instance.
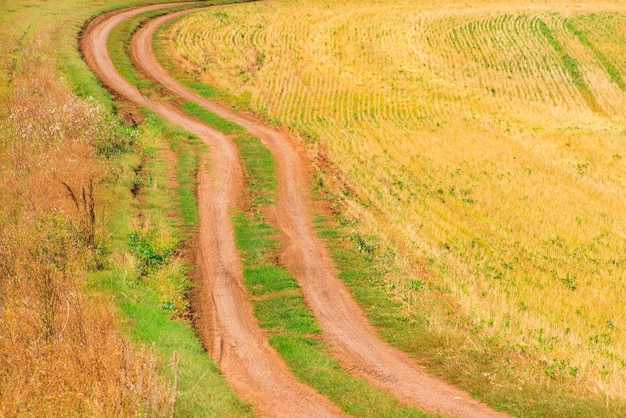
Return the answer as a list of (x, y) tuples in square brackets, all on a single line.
[(228, 327)]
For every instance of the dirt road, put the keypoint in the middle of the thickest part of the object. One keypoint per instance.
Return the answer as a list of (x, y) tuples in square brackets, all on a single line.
[(344, 324), (230, 331)]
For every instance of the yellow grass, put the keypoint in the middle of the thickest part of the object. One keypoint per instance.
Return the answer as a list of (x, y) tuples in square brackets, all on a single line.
[(61, 352), (468, 143)]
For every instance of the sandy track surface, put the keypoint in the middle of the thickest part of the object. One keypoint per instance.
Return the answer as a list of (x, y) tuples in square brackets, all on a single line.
[(343, 322), (228, 328)]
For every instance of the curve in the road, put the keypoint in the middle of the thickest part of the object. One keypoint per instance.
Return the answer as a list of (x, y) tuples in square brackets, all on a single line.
[(232, 333), (343, 321)]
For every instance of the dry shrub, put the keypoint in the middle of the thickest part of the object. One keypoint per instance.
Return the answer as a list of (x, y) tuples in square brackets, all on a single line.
[(52, 136), (61, 353)]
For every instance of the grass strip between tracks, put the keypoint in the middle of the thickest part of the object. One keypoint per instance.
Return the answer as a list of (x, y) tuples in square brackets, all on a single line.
[(278, 302)]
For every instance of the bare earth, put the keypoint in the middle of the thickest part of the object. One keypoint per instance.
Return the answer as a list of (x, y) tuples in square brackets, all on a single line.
[(227, 325)]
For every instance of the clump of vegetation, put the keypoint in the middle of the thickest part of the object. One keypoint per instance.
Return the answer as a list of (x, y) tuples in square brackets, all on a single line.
[(151, 252)]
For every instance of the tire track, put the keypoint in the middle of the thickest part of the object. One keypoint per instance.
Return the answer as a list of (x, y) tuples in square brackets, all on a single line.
[(229, 331), (343, 322)]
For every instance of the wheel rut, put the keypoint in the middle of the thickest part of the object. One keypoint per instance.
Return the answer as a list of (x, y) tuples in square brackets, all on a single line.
[(222, 298)]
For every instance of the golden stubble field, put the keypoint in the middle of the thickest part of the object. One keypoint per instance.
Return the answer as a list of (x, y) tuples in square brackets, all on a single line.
[(487, 142)]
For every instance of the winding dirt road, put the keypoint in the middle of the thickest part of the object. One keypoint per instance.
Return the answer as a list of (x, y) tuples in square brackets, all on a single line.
[(229, 329)]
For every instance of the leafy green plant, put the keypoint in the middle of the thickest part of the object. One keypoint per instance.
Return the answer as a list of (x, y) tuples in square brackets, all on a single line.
[(149, 254)]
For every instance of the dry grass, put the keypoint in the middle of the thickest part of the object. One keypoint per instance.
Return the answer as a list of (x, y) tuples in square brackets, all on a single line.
[(485, 142), (61, 353)]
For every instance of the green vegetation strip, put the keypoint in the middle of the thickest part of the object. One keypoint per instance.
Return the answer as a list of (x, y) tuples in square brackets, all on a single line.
[(202, 392), (223, 125), (151, 289), (150, 286), (188, 149), (572, 67), (608, 65)]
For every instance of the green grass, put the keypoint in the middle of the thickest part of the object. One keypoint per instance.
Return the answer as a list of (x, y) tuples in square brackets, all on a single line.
[(279, 305), (608, 65), (203, 89), (188, 149), (219, 123), (151, 305), (202, 392)]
